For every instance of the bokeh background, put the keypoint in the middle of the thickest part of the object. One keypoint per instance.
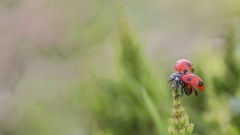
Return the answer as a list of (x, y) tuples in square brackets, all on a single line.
[(100, 67)]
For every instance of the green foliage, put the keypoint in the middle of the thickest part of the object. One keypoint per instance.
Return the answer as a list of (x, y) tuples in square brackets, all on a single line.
[(125, 104), (79, 67)]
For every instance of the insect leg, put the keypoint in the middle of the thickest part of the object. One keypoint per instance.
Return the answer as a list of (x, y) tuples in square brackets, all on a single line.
[(186, 91), (174, 85), (177, 84), (182, 89), (179, 95), (195, 91)]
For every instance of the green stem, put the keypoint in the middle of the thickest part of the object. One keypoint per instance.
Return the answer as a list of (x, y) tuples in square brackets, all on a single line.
[(179, 122), (176, 99)]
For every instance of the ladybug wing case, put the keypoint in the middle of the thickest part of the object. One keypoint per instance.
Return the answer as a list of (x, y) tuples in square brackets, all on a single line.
[(183, 65), (194, 80)]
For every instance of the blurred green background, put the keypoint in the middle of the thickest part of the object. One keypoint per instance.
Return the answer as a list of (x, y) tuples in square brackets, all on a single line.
[(100, 67)]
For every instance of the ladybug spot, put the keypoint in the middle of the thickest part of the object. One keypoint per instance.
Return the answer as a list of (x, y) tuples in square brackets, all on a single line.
[(188, 64), (185, 71), (189, 79), (200, 83)]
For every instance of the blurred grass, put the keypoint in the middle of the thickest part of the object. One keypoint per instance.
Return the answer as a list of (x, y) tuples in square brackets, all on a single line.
[(83, 68), (122, 104)]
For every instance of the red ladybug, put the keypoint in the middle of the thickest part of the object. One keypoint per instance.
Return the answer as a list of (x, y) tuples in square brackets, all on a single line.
[(187, 83), (183, 66), (193, 80)]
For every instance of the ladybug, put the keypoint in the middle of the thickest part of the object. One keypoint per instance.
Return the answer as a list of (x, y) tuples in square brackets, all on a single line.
[(183, 66), (193, 80), (176, 79), (186, 82)]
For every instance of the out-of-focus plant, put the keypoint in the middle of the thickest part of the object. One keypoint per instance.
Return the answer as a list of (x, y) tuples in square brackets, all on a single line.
[(222, 80), (125, 103)]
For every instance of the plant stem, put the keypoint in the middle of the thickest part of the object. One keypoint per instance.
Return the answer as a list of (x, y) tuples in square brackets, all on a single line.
[(179, 122), (176, 99)]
